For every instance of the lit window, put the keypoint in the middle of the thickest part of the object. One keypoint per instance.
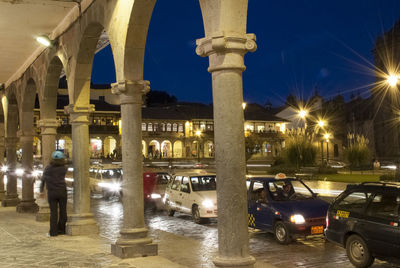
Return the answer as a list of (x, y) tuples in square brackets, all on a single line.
[(175, 127), (149, 127), (168, 126), (180, 128), (143, 126)]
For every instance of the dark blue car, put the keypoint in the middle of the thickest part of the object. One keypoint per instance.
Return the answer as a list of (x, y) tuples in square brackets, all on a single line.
[(286, 207)]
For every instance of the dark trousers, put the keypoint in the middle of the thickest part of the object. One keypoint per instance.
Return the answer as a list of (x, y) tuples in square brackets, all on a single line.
[(58, 214)]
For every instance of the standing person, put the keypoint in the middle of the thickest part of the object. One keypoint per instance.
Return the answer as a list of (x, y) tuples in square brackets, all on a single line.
[(54, 178)]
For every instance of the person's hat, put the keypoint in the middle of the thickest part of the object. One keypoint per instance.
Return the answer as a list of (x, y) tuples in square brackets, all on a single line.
[(57, 155), (280, 176)]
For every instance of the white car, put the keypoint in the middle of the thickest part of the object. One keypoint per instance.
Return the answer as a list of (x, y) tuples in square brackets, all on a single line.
[(192, 193)]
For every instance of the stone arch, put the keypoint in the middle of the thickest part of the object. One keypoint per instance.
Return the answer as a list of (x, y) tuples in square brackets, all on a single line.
[(27, 105), (144, 148), (48, 100), (12, 119), (154, 148), (84, 63), (178, 149), (64, 144), (166, 149), (109, 144), (208, 149)]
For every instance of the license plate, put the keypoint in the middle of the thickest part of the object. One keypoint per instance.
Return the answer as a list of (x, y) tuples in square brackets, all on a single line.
[(317, 229)]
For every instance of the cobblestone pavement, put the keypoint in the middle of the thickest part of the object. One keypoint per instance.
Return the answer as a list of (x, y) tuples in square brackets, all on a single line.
[(203, 239), (181, 242)]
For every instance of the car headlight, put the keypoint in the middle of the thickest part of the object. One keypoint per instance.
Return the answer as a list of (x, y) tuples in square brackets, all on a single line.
[(297, 219), (19, 172), (155, 196), (208, 203)]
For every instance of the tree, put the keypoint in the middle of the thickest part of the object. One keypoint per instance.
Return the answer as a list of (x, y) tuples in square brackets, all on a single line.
[(300, 151), (155, 97), (357, 153), (252, 144)]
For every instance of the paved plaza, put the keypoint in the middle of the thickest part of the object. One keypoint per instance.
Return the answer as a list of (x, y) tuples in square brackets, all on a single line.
[(181, 242)]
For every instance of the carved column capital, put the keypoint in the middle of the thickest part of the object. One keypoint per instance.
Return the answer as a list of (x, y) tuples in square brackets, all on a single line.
[(48, 126), (131, 92), (79, 114), (222, 44)]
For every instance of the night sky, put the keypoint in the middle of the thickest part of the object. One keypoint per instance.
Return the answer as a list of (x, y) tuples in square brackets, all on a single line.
[(303, 45)]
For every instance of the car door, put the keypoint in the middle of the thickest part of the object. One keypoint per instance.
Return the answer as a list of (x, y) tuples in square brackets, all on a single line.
[(185, 196), (259, 207), (348, 212), (381, 224), (173, 193)]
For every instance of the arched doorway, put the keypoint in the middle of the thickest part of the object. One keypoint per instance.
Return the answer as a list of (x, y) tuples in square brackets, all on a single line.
[(154, 149), (166, 149), (178, 149), (110, 144), (144, 149), (208, 149), (64, 144)]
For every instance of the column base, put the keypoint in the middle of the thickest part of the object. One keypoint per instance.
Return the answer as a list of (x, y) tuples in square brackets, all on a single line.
[(134, 243), (81, 224), (2, 195), (43, 214), (10, 201), (27, 206), (234, 262)]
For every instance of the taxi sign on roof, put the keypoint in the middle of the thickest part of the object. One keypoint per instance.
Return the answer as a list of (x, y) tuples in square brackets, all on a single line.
[(280, 176)]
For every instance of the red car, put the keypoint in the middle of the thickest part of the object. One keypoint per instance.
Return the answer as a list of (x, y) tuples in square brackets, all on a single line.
[(154, 184)]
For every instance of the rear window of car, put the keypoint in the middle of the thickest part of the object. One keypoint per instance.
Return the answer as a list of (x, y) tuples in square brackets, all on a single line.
[(384, 205), (354, 202)]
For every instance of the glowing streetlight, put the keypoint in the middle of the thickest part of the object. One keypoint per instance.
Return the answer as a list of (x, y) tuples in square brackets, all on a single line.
[(244, 104), (392, 80), (327, 136), (321, 123), (303, 113)]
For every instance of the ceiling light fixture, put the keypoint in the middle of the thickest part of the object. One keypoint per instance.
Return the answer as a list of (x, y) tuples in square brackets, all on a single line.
[(44, 40)]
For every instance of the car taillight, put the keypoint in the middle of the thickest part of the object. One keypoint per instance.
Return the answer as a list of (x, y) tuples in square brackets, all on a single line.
[(327, 220)]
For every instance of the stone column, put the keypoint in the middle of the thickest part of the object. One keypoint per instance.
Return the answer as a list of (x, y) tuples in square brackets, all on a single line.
[(11, 199), (2, 190), (134, 240), (27, 204), (48, 132), (81, 222), (226, 57)]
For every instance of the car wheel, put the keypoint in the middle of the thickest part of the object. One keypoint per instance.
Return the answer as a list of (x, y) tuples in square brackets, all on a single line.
[(281, 233), (358, 252), (196, 215), (170, 212)]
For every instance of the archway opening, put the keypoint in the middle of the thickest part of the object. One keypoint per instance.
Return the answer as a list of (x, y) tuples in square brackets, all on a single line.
[(178, 149)]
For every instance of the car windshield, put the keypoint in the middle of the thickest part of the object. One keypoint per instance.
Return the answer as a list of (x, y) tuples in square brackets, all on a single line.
[(203, 183), (283, 190)]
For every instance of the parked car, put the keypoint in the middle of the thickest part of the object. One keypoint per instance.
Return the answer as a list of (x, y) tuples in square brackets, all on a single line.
[(154, 185), (287, 207), (336, 164), (192, 193), (364, 219)]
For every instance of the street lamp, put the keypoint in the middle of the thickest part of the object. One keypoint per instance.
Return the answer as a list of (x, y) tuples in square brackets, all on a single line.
[(198, 135), (303, 114), (392, 80), (321, 124), (327, 136)]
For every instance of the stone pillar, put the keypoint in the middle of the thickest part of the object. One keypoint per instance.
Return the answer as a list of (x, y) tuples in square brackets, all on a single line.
[(134, 240), (48, 132), (27, 204), (81, 222), (226, 50), (11, 199), (2, 190)]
